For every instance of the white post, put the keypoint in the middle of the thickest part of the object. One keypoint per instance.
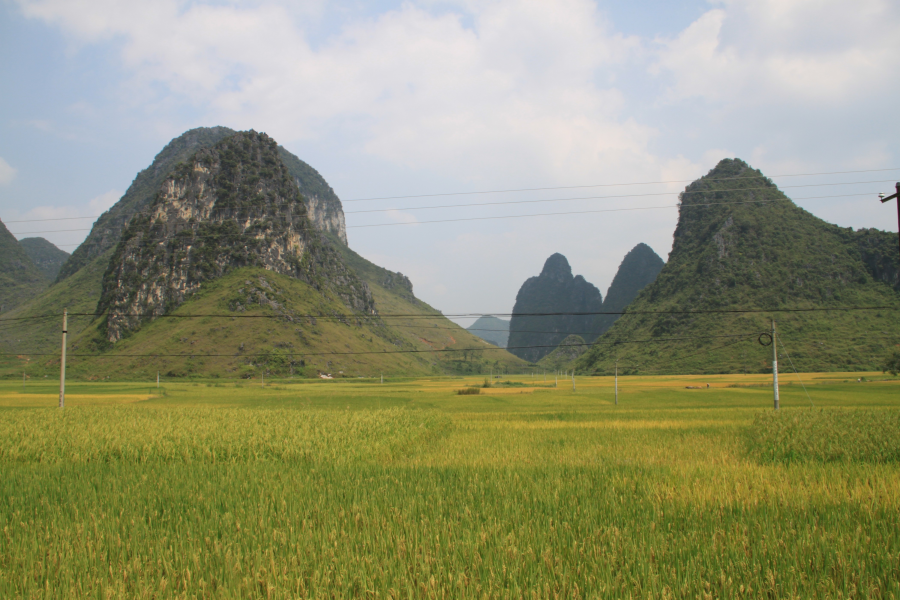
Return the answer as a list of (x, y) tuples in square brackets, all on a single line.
[(62, 362), (775, 365)]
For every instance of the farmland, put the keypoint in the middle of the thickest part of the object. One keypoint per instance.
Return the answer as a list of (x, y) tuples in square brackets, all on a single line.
[(354, 488)]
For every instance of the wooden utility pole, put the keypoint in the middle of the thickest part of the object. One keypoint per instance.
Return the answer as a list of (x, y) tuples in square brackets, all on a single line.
[(894, 196), (775, 366), (62, 361)]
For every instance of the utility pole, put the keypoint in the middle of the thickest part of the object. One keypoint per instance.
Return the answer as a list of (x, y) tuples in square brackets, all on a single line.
[(573, 380), (382, 379), (894, 196), (775, 365), (157, 380), (617, 382), (62, 361)]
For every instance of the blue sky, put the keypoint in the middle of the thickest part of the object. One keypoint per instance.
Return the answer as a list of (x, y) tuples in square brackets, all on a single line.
[(429, 97)]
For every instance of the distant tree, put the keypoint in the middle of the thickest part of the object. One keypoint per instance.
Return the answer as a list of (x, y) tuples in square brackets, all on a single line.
[(892, 365)]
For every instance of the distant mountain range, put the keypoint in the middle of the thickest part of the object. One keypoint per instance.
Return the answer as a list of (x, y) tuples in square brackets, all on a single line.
[(491, 329)]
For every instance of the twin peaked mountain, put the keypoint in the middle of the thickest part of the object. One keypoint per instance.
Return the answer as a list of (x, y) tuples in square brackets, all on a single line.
[(534, 330)]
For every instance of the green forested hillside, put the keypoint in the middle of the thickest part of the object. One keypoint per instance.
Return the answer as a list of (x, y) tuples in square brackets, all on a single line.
[(638, 270), (741, 244), (35, 325), (45, 256), (20, 279)]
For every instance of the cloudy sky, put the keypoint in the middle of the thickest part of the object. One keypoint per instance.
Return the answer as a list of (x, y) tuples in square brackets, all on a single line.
[(431, 101)]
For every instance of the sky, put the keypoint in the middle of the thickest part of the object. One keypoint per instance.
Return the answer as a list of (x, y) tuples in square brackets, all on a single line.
[(404, 107)]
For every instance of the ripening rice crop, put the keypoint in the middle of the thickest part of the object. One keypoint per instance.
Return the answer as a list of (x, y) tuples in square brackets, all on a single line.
[(826, 436)]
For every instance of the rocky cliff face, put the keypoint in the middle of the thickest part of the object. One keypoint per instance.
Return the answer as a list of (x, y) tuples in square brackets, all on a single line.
[(324, 207), (639, 268), (107, 230), (229, 206), (322, 204), (555, 290)]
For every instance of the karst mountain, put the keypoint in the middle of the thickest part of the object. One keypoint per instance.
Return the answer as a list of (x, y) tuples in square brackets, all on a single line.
[(232, 226), (744, 254)]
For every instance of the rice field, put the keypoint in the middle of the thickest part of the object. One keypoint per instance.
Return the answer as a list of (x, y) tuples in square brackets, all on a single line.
[(529, 489)]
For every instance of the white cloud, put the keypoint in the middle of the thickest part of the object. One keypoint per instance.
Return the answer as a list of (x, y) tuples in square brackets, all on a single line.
[(494, 91), (7, 172), (752, 52), (104, 201)]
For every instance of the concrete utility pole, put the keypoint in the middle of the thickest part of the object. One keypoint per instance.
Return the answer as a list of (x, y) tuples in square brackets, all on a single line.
[(894, 196), (617, 382), (775, 366), (573, 380), (157, 380), (62, 361)]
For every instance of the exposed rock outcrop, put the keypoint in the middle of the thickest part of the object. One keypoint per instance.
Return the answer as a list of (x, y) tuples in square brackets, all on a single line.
[(542, 316), (324, 207), (322, 204), (229, 206)]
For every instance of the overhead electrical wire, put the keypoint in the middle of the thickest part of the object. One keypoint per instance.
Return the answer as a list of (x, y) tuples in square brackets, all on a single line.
[(498, 217), (358, 317), (519, 190)]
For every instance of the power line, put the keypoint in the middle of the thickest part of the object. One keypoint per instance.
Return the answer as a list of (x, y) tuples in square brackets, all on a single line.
[(556, 188), (250, 354), (477, 204), (572, 187), (350, 316), (581, 212)]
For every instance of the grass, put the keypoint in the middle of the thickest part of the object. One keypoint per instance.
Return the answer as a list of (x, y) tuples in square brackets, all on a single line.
[(354, 488)]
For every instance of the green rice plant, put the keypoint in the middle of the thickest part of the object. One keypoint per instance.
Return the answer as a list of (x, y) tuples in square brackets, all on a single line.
[(826, 435)]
